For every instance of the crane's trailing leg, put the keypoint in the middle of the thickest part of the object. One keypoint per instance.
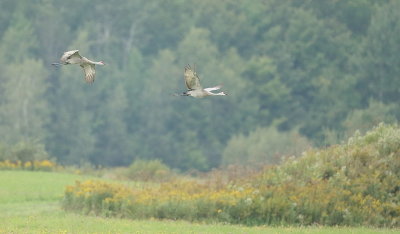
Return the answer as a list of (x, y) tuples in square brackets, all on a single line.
[(57, 64)]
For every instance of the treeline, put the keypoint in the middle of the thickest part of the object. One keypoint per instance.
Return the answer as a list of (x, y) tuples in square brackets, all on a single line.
[(309, 72)]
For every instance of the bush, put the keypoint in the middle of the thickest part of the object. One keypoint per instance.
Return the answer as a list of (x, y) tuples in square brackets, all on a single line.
[(149, 170), (25, 155), (43, 165), (23, 151)]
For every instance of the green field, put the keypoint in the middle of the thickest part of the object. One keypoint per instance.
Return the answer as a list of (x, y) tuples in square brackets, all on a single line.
[(30, 203)]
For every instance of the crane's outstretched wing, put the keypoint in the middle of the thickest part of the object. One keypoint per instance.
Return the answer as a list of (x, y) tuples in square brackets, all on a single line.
[(192, 81), (90, 72), (71, 56)]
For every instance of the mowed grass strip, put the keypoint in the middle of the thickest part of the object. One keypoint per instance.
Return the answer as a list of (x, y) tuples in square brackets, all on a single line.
[(22, 186), (62, 222)]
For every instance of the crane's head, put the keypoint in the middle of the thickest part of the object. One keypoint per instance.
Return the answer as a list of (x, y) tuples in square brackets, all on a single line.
[(185, 94), (102, 63)]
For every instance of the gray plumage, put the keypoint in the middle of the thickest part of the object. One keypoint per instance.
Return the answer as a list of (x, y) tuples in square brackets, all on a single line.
[(88, 66), (192, 82)]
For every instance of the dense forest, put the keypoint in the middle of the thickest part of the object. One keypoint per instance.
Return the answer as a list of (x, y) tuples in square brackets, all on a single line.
[(299, 74)]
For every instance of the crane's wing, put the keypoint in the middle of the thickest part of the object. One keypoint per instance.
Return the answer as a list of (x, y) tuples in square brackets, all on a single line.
[(192, 81), (90, 72), (73, 54)]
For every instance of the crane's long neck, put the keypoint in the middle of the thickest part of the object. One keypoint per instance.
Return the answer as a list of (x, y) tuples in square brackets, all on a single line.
[(218, 94), (208, 93), (99, 63), (86, 60)]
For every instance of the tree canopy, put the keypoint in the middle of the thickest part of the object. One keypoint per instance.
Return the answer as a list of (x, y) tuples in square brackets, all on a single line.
[(306, 68)]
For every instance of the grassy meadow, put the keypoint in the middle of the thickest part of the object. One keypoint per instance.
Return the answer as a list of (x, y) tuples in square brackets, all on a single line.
[(30, 203)]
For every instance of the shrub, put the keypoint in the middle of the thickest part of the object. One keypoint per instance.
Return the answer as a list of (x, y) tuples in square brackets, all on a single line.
[(146, 170), (37, 165), (28, 151), (23, 151), (25, 155)]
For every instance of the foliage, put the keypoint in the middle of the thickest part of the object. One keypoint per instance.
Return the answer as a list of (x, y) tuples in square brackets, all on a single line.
[(353, 181), (379, 61), (308, 63), (149, 170), (26, 155), (348, 184), (263, 146), (361, 120), (23, 151), (43, 165), (364, 119)]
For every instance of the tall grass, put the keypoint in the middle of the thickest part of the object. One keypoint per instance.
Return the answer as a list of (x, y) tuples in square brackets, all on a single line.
[(356, 183)]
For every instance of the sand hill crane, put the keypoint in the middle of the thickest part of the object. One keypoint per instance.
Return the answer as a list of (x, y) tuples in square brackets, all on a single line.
[(73, 57), (192, 82)]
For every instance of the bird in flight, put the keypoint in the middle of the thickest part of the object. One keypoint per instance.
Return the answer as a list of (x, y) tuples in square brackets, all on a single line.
[(192, 82), (88, 66)]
